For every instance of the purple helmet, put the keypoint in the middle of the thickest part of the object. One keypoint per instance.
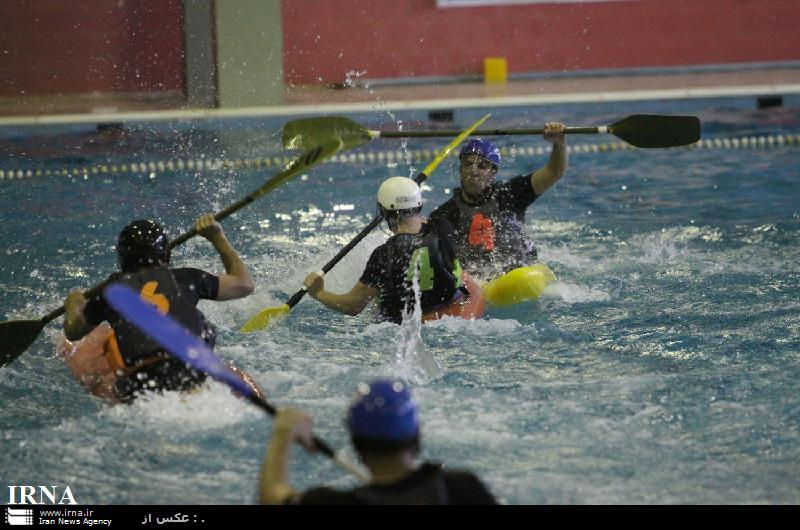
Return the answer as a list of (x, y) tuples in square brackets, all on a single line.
[(483, 148)]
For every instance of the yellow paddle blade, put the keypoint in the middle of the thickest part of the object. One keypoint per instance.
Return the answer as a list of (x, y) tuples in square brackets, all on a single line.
[(444, 153), (520, 285), (264, 317)]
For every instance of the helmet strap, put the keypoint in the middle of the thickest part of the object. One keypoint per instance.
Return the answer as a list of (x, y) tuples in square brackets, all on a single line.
[(394, 217)]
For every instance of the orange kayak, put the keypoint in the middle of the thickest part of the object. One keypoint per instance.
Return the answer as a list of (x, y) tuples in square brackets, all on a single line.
[(88, 361), (472, 309)]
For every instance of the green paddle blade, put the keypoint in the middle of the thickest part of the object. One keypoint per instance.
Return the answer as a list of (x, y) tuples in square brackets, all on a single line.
[(309, 132), (264, 317), (650, 130), (16, 337)]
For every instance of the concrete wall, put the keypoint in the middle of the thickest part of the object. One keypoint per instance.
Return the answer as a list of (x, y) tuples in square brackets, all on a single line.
[(75, 46), (199, 31), (249, 52)]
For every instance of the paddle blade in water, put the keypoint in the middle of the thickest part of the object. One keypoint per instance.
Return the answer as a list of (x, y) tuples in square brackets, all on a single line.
[(16, 337), (309, 132), (649, 130), (265, 317)]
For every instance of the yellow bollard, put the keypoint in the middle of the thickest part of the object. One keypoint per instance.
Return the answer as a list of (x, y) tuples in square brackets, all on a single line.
[(495, 70)]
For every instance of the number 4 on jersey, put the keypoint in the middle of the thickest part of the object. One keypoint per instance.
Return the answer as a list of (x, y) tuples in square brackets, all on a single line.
[(481, 232), (421, 261)]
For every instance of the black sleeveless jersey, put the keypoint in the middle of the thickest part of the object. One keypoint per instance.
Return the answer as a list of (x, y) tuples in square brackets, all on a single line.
[(426, 260), (489, 233), (429, 485), (175, 292)]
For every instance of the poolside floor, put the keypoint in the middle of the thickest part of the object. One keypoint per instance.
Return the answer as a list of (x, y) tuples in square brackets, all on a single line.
[(765, 81)]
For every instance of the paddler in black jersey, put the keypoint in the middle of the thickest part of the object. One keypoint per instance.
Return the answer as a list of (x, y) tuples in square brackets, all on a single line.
[(489, 216), (419, 255), (132, 362), (384, 429)]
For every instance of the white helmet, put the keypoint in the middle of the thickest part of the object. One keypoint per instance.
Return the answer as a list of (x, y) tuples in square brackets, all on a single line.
[(399, 193)]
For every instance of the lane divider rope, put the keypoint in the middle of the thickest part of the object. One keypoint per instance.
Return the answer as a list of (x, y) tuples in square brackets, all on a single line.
[(153, 168)]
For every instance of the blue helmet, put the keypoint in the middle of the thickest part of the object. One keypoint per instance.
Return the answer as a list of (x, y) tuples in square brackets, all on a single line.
[(481, 147), (383, 410)]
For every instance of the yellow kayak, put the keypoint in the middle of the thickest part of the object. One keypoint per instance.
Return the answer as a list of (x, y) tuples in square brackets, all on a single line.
[(519, 285)]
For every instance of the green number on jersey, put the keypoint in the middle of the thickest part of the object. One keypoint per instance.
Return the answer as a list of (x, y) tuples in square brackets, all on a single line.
[(421, 261)]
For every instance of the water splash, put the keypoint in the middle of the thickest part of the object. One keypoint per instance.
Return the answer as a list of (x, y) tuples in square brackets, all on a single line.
[(416, 363), (351, 78)]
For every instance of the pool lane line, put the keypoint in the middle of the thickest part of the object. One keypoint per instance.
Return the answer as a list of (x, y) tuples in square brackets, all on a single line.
[(153, 168)]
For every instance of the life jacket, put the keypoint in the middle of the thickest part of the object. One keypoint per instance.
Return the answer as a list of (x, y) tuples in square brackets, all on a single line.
[(487, 233), (115, 360), (128, 349), (429, 260), (437, 276)]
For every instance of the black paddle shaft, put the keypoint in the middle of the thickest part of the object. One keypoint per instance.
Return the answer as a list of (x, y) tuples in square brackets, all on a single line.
[(482, 132), (296, 297), (16, 336), (321, 446), (639, 130)]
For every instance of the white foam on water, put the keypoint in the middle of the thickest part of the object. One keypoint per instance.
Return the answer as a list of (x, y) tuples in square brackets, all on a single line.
[(448, 419), (574, 294), (211, 407), (658, 250), (566, 256), (278, 277), (557, 229), (484, 327), (669, 245)]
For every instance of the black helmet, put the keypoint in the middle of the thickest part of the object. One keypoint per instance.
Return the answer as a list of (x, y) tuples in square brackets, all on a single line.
[(143, 243)]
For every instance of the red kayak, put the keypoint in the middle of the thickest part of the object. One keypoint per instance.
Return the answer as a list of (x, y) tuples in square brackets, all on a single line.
[(87, 361), (472, 309), (91, 362)]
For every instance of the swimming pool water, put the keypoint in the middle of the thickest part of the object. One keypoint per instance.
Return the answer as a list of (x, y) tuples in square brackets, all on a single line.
[(662, 367)]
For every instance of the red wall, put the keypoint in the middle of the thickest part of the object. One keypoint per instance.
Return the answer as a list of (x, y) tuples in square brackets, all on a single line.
[(73, 46), (325, 39)]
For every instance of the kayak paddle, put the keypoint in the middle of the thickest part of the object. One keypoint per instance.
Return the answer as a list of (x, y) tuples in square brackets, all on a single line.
[(16, 336), (639, 130), (182, 344), (266, 315)]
